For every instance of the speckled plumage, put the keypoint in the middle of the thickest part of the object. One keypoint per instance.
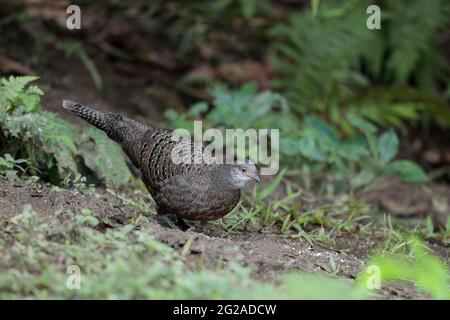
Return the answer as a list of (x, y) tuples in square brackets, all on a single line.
[(190, 191)]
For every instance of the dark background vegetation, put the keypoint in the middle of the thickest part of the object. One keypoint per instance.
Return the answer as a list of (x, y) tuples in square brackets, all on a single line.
[(364, 117)]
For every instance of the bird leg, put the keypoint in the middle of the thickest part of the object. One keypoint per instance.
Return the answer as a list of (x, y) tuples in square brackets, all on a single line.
[(183, 224), (180, 224), (170, 222)]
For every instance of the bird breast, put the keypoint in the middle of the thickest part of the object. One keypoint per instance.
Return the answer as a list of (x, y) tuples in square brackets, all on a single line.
[(196, 197)]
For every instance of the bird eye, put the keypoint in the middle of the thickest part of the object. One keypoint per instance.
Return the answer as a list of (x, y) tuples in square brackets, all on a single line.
[(244, 169)]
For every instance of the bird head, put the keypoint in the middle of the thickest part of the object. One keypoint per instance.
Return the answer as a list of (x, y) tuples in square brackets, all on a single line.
[(243, 172)]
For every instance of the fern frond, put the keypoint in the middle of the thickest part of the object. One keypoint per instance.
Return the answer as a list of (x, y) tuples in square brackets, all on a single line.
[(412, 39), (326, 61), (50, 144)]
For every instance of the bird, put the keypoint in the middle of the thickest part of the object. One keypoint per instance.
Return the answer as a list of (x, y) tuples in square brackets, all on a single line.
[(187, 190)]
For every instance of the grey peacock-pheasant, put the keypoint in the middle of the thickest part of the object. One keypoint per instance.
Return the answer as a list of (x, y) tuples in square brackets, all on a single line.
[(189, 191)]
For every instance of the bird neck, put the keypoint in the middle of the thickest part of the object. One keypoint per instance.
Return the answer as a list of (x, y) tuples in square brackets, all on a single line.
[(225, 178)]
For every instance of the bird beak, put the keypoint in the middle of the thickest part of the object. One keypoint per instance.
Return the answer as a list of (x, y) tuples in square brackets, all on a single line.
[(253, 176)]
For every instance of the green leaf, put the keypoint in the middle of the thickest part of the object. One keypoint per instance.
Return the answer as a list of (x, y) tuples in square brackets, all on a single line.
[(354, 149), (407, 170), (429, 226), (317, 286), (13, 87), (248, 8), (368, 129), (9, 158), (272, 186), (289, 146), (309, 149), (197, 109), (73, 47), (363, 178), (315, 6), (432, 275), (387, 146), (90, 66), (326, 134), (363, 125)]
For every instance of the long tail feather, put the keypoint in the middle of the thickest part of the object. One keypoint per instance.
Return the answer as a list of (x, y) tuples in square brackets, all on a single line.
[(127, 132), (94, 117)]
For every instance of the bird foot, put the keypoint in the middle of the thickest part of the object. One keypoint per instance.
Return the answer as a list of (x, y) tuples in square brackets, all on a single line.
[(180, 224), (169, 222)]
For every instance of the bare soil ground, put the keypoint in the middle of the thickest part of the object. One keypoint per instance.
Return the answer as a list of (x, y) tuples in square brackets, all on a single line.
[(267, 255)]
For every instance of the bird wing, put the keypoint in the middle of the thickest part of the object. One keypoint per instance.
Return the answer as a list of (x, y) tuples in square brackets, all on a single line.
[(164, 156), (195, 197)]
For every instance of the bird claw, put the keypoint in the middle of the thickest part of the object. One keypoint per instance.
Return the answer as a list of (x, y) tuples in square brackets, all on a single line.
[(179, 225), (170, 223)]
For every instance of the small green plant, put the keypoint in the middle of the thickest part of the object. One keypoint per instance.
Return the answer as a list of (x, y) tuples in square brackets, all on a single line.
[(79, 184), (50, 144), (328, 63), (242, 108), (425, 270), (10, 166), (126, 263), (324, 155), (285, 214), (383, 150), (348, 162), (140, 202), (320, 287), (71, 48), (31, 133)]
